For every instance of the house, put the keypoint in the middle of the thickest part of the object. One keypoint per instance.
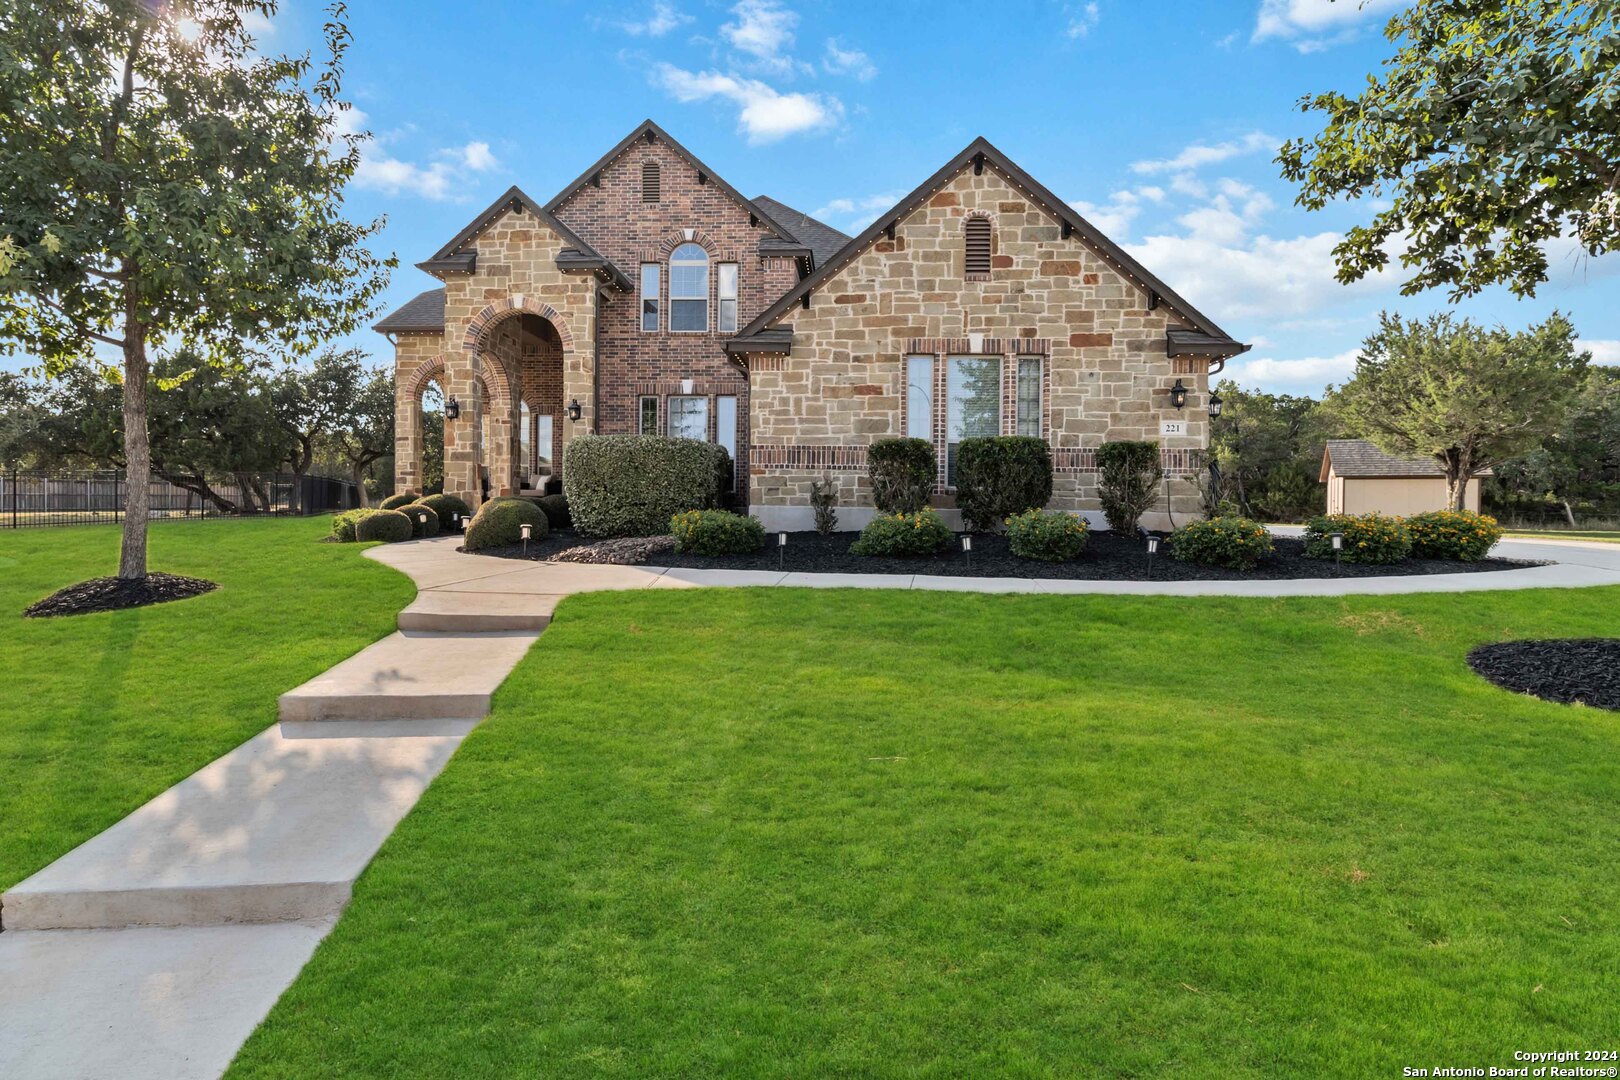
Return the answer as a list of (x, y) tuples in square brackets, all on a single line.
[(1362, 479), (649, 295)]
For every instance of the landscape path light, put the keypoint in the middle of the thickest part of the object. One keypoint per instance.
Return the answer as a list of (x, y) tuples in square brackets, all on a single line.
[(1337, 540), (781, 551), (967, 549), (526, 531)]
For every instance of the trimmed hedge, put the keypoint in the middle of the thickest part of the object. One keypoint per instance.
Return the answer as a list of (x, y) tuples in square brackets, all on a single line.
[(343, 524), (1047, 535), (424, 520), (1000, 476), (1230, 541), (1368, 538), (1453, 534), (922, 533), (555, 508), (902, 473), (716, 532), (631, 485), (447, 507), (394, 502), (499, 523), (389, 526), (1128, 475)]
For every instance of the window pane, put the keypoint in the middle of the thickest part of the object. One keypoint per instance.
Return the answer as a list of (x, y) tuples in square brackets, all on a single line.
[(728, 315), (688, 314), (525, 443), (689, 417), (725, 429), (649, 416), (728, 281), (920, 397), (973, 407), (649, 296), (1029, 396), (688, 282), (542, 440)]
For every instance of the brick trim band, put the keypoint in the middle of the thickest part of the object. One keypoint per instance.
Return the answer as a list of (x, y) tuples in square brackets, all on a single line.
[(808, 457), (1021, 346)]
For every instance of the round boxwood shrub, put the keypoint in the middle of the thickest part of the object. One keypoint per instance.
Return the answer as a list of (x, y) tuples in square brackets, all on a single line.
[(424, 520), (922, 533), (1230, 541), (389, 526), (343, 524), (1128, 475), (1047, 535), (902, 474), (1453, 534), (499, 523), (555, 508), (404, 498), (631, 485), (446, 507), (716, 532), (1368, 538), (1001, 476)]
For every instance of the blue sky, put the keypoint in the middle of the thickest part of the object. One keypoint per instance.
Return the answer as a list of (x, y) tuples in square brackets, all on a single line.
[(1158, 121)]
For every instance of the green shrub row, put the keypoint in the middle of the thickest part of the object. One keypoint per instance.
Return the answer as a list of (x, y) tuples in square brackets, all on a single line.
[(446, 507), (389, 526), (1047, 535), (631, 485), (394, 502), (1001, 476), (716, 532), (499, 523), (1453, 534), (902, 474), (1230, 541), (909, 535), (1372, 539)]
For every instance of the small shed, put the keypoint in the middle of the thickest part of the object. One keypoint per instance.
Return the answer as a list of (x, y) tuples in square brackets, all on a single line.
[(1362, 479)]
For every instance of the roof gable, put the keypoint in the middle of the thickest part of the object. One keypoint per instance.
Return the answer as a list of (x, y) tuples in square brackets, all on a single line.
[(578, 255), (1359, 459)]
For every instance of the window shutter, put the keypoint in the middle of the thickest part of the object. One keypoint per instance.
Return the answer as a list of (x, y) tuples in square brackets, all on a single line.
[(976, 235), (649, 181)]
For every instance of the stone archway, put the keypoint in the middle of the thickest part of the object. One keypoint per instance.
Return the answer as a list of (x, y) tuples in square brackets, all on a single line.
[(409, 436)]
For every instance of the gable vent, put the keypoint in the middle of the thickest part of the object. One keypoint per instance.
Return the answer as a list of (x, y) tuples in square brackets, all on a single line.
[(649, 181), (976, 237)]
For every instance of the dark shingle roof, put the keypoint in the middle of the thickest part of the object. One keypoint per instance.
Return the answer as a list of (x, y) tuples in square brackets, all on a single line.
[(1359, 459), (422, 313), (822, 239)]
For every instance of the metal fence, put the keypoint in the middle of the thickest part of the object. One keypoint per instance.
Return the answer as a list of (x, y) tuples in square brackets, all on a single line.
[(86, 498)]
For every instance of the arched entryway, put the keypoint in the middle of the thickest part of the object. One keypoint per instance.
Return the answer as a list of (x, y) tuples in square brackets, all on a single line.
[(521, 410)]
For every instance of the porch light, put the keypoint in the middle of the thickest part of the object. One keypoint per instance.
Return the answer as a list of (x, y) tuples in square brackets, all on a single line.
[(574, 410), (1214, 405), (1178, 395), (452, 408)]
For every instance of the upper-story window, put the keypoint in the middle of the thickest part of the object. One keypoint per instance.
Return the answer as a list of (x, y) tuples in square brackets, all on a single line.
[(976, 246), (649, 297), (649, 181), (727, 291), (689, 289)]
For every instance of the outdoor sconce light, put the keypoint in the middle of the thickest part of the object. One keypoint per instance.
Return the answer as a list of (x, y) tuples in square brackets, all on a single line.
[(574, 411), (452, 408), (1178, 395), (1214, 405)]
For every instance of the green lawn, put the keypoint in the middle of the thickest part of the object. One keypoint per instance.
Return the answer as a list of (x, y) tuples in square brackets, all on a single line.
[(799, 834), (1607, 536), (99, 713)]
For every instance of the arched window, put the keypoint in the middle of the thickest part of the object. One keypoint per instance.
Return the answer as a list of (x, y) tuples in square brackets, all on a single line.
[(689, 288), (649, 181), (976, 244)]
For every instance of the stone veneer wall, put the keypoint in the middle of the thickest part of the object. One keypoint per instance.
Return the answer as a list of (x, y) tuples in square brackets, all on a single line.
[(418, 359), (1106, 374)]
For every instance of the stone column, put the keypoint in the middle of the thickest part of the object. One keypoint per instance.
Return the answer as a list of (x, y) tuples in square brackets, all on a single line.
[(407, 432), (461, 438)]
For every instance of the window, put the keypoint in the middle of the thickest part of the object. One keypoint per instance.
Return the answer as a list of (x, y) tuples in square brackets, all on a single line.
[(649, 181), (976, 241), (725, 429), (728, 297), (920, 397), (542, 442), (649, 297), (689, 418), (972, 405), (649, 416), (525, 441), (689, 289), (1029, 396)]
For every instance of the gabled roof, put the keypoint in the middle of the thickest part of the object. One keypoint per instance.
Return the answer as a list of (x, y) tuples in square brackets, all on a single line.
[(822, 239), (421, 314), (1358, 459), (577, 256), (643, 130), (979, 153)]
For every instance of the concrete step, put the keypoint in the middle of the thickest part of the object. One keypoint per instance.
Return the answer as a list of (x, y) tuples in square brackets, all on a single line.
[(412, 674), (478, 612), (275, 831)]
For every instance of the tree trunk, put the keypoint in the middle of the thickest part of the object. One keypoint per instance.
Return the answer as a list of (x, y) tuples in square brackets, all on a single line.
[(357, 472), (137, 450), (1569, 512)]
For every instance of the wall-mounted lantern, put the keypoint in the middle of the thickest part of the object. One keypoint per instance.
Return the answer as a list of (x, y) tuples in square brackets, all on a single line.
[(1214, 405), (452, 408), (574, 410), (1178, 395)]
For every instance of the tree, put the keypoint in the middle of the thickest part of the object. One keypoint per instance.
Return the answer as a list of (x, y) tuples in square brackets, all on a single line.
[(1493, 129), (310, 402), (1581, 460), (1468, 397), (1268, 447), (367, 431), (21, 415), (166, 186)]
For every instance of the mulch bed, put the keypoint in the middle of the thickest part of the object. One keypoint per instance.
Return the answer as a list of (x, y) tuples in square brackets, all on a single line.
[(1575, 671), (116, 594), (1108, 557)]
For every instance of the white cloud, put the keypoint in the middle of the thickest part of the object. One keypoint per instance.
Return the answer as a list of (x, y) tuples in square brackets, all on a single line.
[(841, 61), (1603, 350), (857, 214), (1199, 154), (380, 171), (1313, 25), (1114, 217), (1082, 20), (764, 31), (663, 18), (765, 114), (1310, 372), (476, 156)]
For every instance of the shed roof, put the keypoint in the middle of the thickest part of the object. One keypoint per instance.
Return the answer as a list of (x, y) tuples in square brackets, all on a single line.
[(1358, 459)]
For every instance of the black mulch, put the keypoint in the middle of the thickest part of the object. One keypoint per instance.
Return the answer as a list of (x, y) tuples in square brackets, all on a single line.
[(1584, 671), (1107, 557), (116, 594)]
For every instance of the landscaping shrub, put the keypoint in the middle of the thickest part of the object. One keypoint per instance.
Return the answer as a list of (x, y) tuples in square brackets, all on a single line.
[(1047, 535), (824, 500), (424, 520), (1128, 475), (716, 532), (1230, 541), (631, 485), (922, 533), (902, 474), (447, 507), (394, 502), (1001, 476), (1368, 538), (343, 524), (499, 522), (1453, 534), (555, 507), (389, 526)]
